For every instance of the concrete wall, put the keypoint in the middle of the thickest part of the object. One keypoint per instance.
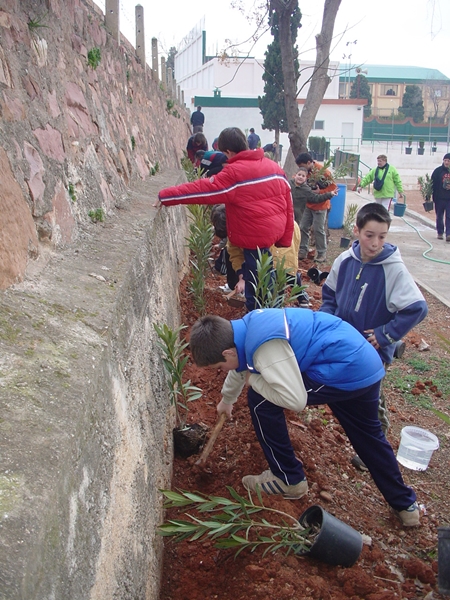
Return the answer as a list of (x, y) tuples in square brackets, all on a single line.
[(86, 424)]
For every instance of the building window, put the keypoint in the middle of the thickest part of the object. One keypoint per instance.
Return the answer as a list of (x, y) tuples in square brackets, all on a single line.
[(319, 125), (389, 90)]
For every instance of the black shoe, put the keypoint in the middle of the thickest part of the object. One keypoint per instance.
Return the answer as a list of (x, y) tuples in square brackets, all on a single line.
[(303, 300)]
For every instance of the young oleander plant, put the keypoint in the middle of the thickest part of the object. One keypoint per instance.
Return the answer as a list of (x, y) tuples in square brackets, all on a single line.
[(275, 287), (201, 234), (175, 359)]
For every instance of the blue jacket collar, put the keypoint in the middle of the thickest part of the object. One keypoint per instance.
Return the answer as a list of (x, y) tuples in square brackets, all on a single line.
[(240, 331)]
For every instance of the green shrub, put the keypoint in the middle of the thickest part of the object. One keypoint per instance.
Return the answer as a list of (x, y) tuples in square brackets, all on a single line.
[(94, 56), (97, 215), (71, 191)]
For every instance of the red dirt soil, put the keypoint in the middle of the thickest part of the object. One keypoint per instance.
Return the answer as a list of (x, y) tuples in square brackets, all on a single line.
[(399, 563)]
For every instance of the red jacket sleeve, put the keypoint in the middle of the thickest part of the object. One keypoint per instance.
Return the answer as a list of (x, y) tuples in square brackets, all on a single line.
[(214, 190)]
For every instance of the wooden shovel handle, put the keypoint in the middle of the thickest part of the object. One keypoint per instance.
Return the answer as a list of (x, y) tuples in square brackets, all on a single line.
[(207, 449)]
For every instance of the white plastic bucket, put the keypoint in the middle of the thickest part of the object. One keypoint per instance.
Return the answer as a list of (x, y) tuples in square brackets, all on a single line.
[(416, 447)]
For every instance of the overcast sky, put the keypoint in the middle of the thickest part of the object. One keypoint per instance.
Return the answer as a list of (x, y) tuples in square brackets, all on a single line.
[(391, 32)]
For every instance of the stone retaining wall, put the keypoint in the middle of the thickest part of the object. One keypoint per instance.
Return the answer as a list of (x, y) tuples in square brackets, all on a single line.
[(74, 133)]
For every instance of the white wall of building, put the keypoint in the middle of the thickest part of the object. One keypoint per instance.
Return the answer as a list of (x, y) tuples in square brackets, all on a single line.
[(334, 117), (237, 78)]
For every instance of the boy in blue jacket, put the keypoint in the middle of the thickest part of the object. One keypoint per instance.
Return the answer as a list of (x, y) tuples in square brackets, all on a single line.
[(290, 358), (370, 287)]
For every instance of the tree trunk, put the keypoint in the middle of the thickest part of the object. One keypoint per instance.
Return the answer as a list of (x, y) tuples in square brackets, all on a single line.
[(300, 126)]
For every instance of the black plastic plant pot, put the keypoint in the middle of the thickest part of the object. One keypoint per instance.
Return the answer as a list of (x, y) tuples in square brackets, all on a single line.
[(408, 150), (345, 242), (317, 276), (428, 205), (444, 560), (336, 542)]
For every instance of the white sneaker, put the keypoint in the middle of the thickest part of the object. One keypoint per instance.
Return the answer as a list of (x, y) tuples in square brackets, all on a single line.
[(225, 288)]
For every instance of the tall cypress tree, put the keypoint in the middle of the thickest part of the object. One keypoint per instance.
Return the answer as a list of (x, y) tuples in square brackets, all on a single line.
[(412, 105), (361, 89), (271, 104)]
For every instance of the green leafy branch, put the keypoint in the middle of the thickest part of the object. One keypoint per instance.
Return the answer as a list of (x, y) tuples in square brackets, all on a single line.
[(231, 523)]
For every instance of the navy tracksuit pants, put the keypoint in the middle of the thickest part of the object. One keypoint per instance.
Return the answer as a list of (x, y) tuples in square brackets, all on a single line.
[(357, 412), (251, 275)]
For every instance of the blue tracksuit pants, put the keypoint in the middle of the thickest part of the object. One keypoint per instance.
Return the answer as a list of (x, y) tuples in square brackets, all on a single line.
[(357, 412)]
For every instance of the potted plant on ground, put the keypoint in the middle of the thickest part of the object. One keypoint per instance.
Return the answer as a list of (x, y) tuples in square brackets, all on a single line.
[(426, 191), (232, 523), (187, 438), (408, 149), (421, 148), (349, 224), (434, 146)]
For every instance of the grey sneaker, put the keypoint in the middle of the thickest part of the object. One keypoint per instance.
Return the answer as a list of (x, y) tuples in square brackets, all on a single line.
[(270, 484), (321, 258), (399, 349), (410, 517), (302, 255), (358, 463)]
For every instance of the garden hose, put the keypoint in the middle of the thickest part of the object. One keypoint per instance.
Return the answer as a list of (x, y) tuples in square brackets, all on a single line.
[(424, 254)]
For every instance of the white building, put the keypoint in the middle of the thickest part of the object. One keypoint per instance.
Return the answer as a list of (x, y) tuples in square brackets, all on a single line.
[(228, 89)]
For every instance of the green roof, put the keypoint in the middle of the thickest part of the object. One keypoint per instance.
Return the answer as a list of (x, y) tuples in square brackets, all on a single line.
[(394, 74), (218, 102)]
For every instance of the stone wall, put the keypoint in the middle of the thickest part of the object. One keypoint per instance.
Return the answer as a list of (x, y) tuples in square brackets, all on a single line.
[(85, 419), (73, 136)]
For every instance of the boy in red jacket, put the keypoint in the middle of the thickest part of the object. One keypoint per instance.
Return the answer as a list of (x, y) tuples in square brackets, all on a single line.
[(257, 196)]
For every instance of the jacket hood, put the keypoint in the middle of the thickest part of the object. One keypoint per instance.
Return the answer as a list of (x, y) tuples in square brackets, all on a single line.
[(389, 254)]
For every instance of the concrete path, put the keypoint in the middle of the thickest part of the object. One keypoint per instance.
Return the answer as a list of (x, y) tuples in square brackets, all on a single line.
[(427, 258)]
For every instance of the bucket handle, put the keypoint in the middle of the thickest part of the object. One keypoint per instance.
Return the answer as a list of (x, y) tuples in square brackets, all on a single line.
[(404, 200)]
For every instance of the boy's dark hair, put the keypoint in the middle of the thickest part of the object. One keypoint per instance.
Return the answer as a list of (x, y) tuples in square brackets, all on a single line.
[(199, 139), (210, 336), (252, 130), (232, 139), (199, 154), (372, 212), (303, 158), (199, 108), (219, 220)]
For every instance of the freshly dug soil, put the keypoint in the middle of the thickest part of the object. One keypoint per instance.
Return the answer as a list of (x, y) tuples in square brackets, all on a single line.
[(398, 563)]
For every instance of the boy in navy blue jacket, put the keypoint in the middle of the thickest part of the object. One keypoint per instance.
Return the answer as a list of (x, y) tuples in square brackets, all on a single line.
[(370, 287), (290, 358)]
